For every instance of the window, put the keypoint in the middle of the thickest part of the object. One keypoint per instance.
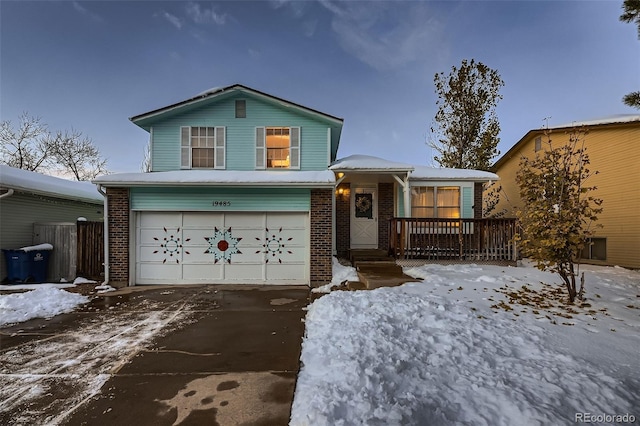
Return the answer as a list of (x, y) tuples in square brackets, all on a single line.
[(278, 147), (435, 201), (538, 144), (202, 148), (241, 108), (596, 249)]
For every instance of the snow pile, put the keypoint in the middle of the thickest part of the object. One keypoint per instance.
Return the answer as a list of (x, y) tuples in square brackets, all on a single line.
[(341, 274), (441, 353), (39, 247), (82, 280), (43, 302), (104, 288)]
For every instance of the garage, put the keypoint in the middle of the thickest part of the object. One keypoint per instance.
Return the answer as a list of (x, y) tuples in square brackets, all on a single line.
[(221, 247)]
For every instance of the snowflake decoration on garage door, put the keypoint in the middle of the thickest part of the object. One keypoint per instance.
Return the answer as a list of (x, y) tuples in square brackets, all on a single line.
[(171, 245), (222, 245), (274, 245)]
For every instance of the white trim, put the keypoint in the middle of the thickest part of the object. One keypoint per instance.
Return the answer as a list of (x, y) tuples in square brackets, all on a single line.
[(151, 148), (260, 151), (328, 146)]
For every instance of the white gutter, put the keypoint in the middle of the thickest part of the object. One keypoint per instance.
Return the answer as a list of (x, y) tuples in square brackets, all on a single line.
[(7, 194), (105, 234)]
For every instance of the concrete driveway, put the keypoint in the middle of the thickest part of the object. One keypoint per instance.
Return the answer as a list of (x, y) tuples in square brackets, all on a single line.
[(171, 355)]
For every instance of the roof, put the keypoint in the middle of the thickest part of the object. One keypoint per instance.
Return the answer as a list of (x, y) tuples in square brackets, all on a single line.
[(435, 173), (37, 183), (218, 92), (265, 178), (611, 120), (370, 164)]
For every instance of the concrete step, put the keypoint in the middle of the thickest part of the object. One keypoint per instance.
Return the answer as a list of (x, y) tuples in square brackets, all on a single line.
[(381, 274)]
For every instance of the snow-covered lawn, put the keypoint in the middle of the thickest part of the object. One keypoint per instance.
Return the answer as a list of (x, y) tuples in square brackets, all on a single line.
[(473, 345)]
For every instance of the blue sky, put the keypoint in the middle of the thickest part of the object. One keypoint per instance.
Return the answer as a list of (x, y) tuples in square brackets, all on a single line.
[(91, 65)]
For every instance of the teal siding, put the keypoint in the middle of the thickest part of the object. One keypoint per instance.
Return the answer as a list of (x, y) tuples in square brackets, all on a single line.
[(20, 211), (467, 202), (400, 201), (240, 142), (221, 199)]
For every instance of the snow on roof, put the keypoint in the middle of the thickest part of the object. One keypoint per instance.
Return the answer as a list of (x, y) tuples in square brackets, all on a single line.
[(221, 177), (368, 163), (37, 183), (425, 172), (619, 118)]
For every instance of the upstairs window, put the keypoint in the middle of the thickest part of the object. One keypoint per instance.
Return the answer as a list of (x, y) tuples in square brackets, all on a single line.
[(241, 108), (435, 201), (538, 144), (202, 147), (277, 147)]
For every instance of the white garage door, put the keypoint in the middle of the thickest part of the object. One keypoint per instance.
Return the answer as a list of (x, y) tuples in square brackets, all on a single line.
[(195, 248)]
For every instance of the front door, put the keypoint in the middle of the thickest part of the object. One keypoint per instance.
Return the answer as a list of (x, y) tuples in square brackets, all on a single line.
[(364, 217)]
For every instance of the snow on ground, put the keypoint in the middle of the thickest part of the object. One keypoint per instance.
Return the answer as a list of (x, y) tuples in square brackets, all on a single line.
[(482, 345), (341, 274), (42, 302)]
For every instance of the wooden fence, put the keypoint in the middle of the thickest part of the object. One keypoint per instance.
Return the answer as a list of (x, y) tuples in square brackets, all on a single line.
[(474, 240), (90, 250), (78, 249)]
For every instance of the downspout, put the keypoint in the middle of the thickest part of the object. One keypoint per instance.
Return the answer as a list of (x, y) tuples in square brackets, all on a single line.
[(9, 193), (106, 234)]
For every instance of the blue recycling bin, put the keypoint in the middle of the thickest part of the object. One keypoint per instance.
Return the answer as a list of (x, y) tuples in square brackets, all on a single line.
[(27, 266)]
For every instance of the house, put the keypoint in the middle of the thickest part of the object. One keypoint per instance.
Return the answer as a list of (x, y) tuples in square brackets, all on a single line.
[(29, 198), (245, 188), (612, 146)]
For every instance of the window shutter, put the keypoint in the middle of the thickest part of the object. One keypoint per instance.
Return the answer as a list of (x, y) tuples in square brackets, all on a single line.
[(294, 148), (220, 148), (185, 147), (261, 150)]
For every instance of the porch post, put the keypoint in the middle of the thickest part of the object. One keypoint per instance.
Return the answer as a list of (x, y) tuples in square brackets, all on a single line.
[(406, 193)]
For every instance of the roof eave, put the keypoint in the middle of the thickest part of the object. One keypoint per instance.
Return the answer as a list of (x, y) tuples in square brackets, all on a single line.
[(138, 119)]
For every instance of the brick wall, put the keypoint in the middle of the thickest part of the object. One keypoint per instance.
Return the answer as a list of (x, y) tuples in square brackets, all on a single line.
[(477, 200), (118, 200), (343, 219), (385, 212), (321, 244)]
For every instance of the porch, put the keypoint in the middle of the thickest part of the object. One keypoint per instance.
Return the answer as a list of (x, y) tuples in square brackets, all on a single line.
[(423, 240)]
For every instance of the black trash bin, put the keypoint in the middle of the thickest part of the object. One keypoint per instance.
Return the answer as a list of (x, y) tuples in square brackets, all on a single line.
[(27, 266)]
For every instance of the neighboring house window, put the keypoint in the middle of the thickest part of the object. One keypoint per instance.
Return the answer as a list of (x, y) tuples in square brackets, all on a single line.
[(538, 146), (241, 108), (202, 147), (596, 249), (435, 201), (278, 147)]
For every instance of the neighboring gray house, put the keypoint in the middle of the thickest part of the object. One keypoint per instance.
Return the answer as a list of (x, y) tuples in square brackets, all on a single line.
[(27, 198)]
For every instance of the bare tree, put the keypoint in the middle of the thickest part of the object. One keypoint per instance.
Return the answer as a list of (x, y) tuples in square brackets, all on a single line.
[(31, 146), (24, 147), (145, 166), (76, 154)]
